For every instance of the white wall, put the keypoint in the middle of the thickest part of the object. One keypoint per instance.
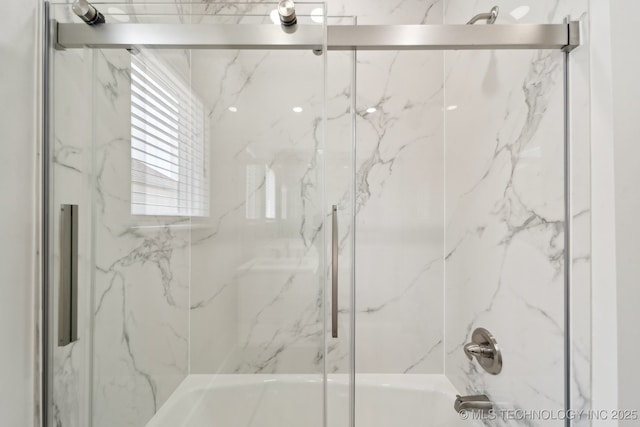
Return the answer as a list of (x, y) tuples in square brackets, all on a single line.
[(625, 33), (604, 340), (18, 215)]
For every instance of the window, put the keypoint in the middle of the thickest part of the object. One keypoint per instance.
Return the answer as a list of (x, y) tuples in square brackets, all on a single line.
[(169, 151)]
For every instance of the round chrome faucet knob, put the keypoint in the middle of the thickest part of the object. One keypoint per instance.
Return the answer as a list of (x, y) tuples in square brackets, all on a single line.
[(484, 348)]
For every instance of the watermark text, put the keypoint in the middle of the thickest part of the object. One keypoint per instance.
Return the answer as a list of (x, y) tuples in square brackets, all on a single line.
[(551, 414)]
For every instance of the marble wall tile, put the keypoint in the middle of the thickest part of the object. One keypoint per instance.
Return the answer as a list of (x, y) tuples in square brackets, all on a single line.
[(505, 216), (71, 175), (141, 277), (504, 240), (403, 276), (399, 207), (389, 11), (398, 261), (256, 288)]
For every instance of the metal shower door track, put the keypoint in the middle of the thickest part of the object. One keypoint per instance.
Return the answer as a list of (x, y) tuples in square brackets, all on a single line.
[(339, 37)]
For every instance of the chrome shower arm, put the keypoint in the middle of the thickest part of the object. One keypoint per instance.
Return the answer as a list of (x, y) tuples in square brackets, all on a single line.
[(490, 17)]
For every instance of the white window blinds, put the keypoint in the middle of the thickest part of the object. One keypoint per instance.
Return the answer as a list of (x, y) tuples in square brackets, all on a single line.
[(169, 143)]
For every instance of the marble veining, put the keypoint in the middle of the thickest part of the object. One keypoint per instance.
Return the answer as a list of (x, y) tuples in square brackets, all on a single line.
[(514, 231), (505, 246), (71, 159), (264, 268)]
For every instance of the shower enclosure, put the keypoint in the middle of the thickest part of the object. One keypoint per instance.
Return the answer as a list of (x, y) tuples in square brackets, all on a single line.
[(249, 224)]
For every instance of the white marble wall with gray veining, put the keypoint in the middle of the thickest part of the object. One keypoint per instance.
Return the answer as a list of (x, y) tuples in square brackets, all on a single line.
[(232, 329), (396, 148), (141, 295), (399, 206), (257, 261), (399, 197), (505, 212), (505, 222), (71, 157), (134, 271)]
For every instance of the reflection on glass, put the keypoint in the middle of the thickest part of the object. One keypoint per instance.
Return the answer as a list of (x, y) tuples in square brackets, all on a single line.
[(253, 173), (261, 180), (283, 201), (269, 193)]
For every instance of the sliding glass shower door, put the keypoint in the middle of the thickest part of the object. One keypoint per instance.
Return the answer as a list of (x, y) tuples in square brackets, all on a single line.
[(461, 240), (238, 239), (197, 179)]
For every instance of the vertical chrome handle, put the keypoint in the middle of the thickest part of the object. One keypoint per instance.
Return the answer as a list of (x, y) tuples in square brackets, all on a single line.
[(68, 290), (334, 272)]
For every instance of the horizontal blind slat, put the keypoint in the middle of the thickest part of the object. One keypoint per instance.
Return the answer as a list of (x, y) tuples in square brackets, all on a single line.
[(196, 181), (168, 144)]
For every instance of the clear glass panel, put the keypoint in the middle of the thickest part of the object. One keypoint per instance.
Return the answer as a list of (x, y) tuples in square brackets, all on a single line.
[(200, 181), (460, 224), (399, 242), (70, 182), (341, 117)]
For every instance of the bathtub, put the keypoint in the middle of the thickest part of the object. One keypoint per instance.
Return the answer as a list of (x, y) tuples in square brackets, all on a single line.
[(382, 400)]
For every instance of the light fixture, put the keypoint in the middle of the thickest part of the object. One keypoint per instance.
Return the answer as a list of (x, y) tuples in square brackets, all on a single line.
[(519, 12), (317, 15), (452, 107), (297, 109), (371, 110), (233, 109), (275, 17)]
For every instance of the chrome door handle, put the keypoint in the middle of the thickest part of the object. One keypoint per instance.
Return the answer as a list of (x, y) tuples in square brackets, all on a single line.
[(68, 289), (334, 271)]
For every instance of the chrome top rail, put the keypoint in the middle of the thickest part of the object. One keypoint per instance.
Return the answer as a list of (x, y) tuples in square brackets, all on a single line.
[(339, 37), (449, 37)]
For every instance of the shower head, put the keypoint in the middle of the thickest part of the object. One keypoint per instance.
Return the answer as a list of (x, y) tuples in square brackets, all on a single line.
[(287, 12), (87, 12)]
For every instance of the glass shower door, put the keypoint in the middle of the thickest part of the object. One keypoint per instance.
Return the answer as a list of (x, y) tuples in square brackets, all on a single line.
[(198, 177), (460, 222)]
